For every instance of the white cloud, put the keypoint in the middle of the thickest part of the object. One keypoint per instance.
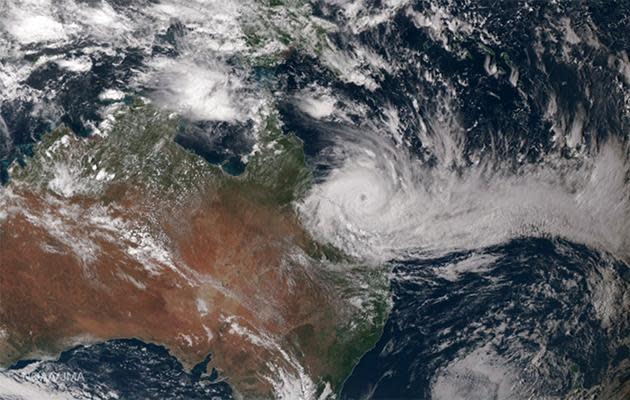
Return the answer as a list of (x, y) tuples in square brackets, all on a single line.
[(27, 28), (198, 90), (317, 105), (13, 389), (380, 203), (81, 64)]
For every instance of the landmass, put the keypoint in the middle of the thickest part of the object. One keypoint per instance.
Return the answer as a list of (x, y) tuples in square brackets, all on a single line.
[(129, 235)]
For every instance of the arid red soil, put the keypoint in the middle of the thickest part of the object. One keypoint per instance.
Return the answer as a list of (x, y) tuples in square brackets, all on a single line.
[(237, 286)]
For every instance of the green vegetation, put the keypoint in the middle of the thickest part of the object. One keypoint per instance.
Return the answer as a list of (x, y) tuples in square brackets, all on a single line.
[(362, 300), (277, 170), (279, 26), (139, 152), (367, 289)]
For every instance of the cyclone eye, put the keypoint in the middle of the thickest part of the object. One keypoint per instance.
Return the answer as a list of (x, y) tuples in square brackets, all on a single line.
[(363, 197)]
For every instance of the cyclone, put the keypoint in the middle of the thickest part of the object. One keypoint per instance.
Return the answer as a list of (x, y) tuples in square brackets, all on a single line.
[(380, 203)]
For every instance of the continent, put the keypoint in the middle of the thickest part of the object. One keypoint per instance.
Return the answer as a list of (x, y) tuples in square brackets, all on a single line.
[(130, 235)]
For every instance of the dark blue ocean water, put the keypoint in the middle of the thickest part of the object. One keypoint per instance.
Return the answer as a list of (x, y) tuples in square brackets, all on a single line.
[(528, 294), (129, 369)]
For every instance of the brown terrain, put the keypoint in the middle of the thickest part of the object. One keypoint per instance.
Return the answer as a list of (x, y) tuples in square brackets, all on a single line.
[(215, 272), (232, 277)]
